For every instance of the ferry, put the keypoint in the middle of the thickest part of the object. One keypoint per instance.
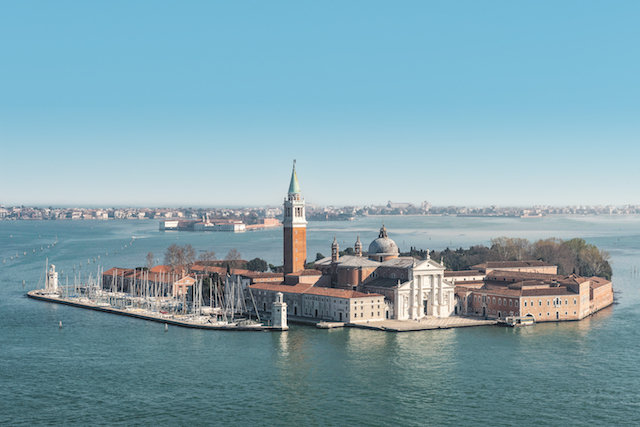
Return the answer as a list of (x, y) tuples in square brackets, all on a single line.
[(515, 321)]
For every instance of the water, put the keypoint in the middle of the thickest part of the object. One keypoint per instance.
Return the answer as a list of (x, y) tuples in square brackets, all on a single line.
[(101, 369)]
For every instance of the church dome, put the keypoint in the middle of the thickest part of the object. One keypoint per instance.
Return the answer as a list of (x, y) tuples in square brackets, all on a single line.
[(383, 244)]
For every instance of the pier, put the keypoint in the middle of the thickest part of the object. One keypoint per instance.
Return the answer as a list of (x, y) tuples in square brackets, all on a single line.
[(426, 324), (182, 321)]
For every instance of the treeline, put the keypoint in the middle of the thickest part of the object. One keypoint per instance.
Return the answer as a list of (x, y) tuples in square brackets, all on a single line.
[(182, 258), (571, 256)]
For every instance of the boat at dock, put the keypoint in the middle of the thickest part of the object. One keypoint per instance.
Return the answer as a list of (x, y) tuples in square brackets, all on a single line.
[(143, 300), (517, 321)]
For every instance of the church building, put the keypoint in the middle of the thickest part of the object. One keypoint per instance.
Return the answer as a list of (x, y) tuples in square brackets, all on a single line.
[(413, 289)]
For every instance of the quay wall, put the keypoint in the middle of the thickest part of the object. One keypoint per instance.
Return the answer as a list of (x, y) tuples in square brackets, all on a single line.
[(175, 322)]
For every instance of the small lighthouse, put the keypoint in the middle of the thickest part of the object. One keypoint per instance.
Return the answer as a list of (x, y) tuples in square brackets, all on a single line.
[(279, 313), (51, 284)]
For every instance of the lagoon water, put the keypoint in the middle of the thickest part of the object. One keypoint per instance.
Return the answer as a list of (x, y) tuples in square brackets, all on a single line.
[(102, 369)]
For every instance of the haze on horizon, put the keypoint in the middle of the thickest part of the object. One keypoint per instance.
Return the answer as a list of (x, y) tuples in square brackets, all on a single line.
[(207, 103)]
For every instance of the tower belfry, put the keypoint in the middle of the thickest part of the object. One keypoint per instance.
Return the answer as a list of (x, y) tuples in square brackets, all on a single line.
[(295, 227)]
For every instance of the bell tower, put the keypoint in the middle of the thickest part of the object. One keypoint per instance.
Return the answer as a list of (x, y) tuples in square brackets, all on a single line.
[(295, 228)]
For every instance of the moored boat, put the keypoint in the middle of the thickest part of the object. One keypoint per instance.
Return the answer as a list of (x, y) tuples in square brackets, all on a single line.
[(516, 321)]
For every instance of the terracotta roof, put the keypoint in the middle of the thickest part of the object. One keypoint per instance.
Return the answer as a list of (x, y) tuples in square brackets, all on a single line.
[(119, 271), (161, 269), (449, 273), (306, 273), (307, 289), (513, 264), (597, 282), (258, 274), (562, 290), (504, 276), (502, 291)]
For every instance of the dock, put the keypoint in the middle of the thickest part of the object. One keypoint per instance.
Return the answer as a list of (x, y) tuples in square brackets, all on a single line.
[(426, 324), (160, 318)]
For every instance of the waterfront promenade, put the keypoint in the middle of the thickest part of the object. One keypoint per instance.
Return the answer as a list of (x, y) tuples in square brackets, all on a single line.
[(425, 324)]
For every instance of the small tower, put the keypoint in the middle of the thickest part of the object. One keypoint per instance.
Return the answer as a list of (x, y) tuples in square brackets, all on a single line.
[(335, 250), (294, 227), (279, 313), (358, 247), (52, 279)]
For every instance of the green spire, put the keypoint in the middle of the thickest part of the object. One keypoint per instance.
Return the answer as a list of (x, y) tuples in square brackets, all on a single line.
[(294, 187)]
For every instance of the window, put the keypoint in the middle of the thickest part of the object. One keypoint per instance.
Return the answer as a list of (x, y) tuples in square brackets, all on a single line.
[(525, 303), (574, 302), (499, 301), (548, 303), (540, 303), (494, 300), (566, 302)]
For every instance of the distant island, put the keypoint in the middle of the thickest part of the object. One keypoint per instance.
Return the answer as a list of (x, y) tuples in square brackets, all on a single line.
[(257, 215)]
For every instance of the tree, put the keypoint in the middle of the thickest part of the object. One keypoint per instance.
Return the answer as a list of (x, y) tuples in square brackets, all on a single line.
[(511, 249), (319, 256), (150, 262), (594, 262), (179, 257), (207, 256), (348, 251), (233, 255), (257, 264), (172, 257), (555, 251)]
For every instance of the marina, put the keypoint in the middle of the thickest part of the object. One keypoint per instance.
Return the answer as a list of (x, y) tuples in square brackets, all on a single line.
[(195, 322)]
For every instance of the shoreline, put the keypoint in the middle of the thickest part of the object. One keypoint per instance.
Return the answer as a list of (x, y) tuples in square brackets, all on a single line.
[(159, 319)]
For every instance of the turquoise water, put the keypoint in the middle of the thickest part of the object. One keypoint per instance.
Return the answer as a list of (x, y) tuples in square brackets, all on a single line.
[(101, 369)]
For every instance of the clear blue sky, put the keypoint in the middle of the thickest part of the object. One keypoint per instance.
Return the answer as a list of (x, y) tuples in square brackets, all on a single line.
[(206, 103)]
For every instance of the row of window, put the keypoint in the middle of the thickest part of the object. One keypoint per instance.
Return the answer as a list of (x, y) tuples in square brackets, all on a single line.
[(355, 307), (556, 302)]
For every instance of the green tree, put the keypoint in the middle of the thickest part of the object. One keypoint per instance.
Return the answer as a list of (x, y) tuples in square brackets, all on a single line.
[(319, 256), (555, 251), (257, 264)]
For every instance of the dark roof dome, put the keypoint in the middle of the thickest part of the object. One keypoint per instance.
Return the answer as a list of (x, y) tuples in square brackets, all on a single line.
[(383, 244)]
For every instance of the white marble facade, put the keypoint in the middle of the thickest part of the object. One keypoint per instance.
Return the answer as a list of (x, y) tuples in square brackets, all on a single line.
[(426, 293)]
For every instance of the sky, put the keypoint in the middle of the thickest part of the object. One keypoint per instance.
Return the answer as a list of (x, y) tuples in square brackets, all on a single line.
[(207, 103)]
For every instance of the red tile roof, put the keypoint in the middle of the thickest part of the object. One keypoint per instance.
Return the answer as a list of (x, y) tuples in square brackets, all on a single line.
[(307, 289)]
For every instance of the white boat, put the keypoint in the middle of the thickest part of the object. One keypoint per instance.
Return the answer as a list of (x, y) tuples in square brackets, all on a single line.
[(516, 321)]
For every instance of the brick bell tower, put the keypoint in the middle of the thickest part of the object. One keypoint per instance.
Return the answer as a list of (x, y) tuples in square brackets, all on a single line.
[(295, 228)]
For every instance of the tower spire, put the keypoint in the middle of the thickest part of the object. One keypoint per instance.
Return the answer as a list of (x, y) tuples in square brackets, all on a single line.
[(294, 187), (294, 227)]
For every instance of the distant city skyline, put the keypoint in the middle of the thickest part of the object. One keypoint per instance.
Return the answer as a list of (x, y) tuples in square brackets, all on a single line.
[(207, 103)]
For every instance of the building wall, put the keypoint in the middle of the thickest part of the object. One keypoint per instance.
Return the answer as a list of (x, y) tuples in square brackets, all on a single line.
[(552, 308), (601, 297), (324, 307)]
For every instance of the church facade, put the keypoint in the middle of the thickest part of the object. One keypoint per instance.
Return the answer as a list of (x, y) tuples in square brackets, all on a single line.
[(412, 289)]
